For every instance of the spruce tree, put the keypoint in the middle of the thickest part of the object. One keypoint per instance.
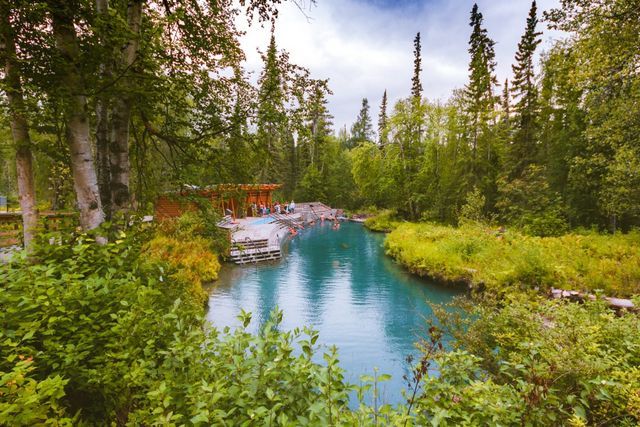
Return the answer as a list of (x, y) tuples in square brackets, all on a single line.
[(480, 112), (382, 120), (362, 129), (272, 116), (506, 102), (416, 85), (523, 150), (479, 91)]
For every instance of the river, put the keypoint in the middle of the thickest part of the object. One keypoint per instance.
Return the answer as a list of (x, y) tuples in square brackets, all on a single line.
[(341, 283)]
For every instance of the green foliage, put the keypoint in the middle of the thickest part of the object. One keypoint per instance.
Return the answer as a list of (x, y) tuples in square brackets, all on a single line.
[(240, 379), (532, 361), (529, 203), (200, 223), (87, 313), (362, 129), (384, 221), (473, 209), (505, 261), (26, 401)]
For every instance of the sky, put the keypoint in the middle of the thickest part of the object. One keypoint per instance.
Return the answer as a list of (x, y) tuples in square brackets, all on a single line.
[(366, 46)]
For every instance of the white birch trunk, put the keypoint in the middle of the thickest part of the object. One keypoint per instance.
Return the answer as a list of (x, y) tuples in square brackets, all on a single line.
[(19, 128), (85, 181)]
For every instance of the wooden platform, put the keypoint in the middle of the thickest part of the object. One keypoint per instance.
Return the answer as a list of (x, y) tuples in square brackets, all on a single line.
[(257, 239)]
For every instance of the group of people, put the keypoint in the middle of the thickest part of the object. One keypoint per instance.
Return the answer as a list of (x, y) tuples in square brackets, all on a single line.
[(264, 210)]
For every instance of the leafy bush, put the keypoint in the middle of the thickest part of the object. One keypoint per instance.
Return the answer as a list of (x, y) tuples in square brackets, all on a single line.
[(26, 401), (504, 260), (191, 259), (385, 221), (89, 313), (199, 223), (536, 362)]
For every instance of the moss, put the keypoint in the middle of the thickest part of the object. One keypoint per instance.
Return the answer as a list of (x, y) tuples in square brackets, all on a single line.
[(479, 255)]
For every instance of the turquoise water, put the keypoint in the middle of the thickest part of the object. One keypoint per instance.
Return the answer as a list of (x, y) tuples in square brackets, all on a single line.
[(340, 283), (265, 220)]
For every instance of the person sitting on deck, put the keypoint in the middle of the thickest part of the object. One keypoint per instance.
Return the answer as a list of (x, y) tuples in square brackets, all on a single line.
[(286, 207), (277, 208), (292, 207)]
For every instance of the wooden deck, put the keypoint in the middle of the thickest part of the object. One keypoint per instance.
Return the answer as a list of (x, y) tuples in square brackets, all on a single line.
[(256, 239)]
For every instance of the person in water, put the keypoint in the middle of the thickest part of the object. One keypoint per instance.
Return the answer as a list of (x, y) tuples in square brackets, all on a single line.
[(336, 225)]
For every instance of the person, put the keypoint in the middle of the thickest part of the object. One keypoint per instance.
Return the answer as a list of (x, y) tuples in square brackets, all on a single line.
[(254, 209), (322, 217), (292, 207), (277, 207), (336, 225)]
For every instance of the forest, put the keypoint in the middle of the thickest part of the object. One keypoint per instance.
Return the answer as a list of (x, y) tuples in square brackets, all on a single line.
[(549, 151), (107, 104)]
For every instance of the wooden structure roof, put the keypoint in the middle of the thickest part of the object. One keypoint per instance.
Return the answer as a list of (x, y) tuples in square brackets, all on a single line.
[(228, 198)]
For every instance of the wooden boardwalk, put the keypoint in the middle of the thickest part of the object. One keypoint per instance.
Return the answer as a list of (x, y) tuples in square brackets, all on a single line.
[(256, 239)]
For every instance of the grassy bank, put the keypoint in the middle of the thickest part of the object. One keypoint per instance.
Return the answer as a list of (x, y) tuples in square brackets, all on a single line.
[(478, 255), (384, 221)]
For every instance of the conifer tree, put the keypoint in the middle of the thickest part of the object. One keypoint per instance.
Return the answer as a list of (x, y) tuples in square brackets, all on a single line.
[(523, 150), (362, 129), (416, 85), (272, 116), (480, 112), (506, 102), (479, 91), (382, 120)]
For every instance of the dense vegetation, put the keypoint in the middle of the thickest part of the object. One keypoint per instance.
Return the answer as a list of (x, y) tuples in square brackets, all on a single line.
[(100, 334), (502, 261), (557, 149), (109, 103)]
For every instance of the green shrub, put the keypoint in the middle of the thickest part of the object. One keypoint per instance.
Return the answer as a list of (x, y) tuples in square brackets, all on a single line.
[(384, 221), (26, 401), (536, 362)]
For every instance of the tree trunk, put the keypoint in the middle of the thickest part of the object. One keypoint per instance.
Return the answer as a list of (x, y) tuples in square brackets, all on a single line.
[(85, 180), (19, 129), (103, 131), (102, 155), (119, 153)]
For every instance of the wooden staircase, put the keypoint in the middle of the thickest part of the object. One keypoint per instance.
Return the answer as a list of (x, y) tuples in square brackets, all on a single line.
[(252, 251)]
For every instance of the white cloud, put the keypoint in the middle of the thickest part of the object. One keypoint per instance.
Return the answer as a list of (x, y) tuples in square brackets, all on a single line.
[(364, 48)]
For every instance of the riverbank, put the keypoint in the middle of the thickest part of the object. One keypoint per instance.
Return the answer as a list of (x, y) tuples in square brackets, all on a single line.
[(482, 257)]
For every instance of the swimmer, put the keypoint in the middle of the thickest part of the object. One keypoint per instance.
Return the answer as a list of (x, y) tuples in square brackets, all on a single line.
[(321, 217)]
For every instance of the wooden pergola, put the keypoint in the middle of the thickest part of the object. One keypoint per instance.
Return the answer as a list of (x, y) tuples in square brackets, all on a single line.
[(228, 198)]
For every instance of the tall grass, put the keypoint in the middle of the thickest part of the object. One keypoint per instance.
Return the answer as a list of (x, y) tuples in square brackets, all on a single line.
[(478, 255)]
